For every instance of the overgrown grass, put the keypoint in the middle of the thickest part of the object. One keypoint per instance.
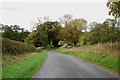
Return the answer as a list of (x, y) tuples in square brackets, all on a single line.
[(23, 68), (104, 60), (106, 48)]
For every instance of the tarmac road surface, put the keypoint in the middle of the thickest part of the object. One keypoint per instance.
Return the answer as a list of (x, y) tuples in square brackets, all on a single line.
[(65, 66)]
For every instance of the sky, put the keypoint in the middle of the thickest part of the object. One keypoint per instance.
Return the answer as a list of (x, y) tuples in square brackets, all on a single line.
[(26, 14)]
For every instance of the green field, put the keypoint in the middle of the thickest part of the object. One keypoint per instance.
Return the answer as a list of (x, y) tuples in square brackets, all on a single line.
[(104, 60), (23, 68)]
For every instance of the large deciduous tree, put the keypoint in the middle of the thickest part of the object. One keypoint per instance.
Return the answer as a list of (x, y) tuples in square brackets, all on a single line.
[(72, 30), (114, 8), (46, 34)]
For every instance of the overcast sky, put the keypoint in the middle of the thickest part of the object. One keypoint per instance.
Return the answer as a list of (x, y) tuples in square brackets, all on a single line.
[(27, 13)]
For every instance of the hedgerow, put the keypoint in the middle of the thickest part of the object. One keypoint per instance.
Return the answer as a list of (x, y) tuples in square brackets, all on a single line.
[(16, 47)]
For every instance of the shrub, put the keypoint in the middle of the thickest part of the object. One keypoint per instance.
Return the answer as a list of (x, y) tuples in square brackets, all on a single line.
[(16, 47)]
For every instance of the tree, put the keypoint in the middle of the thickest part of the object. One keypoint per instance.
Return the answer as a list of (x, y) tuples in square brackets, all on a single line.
[(14, 32), (72, 30), (46, 34), (99, 33), (65, 19), (114, 8), (78, 24), (110, 22), (105, 32), (92, 25)]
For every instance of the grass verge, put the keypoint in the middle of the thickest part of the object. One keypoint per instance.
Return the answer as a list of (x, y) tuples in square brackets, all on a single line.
[(24, 68), (104, 60)]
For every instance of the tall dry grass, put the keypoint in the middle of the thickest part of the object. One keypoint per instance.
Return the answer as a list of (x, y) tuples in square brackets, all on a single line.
[(106, 48)]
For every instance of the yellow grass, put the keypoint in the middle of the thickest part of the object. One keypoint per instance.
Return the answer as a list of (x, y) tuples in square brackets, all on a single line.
[(106, 48)]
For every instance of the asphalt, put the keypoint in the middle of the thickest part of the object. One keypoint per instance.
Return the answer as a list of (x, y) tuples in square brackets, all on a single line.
[(65, 66)]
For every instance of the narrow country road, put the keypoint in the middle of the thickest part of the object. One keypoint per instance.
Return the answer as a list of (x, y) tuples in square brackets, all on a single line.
[(65, 66)]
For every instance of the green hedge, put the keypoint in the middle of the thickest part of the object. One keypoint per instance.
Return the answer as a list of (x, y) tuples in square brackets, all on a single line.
[(16, 47)]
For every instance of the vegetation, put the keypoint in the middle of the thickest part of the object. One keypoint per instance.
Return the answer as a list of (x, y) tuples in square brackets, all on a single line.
[(65, 19), (114, 8), (21, 66), (105, 32), (98, 42), (15, 47), (45, 34), (48, 33), (73, 30), (14, 32), (105, 55), (106, 61)]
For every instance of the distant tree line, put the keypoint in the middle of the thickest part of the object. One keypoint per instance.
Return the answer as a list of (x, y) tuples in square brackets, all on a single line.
[(74, 32), (14, 32), (104, 32)]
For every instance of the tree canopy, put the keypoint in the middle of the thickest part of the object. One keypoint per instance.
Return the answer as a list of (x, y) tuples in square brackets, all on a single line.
[(104, 32), (14, 32), (114, 8), (46, 34), (72, 30)]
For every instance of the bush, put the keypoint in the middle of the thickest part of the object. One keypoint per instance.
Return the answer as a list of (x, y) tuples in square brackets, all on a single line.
[(61, 43), (16, 47)]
